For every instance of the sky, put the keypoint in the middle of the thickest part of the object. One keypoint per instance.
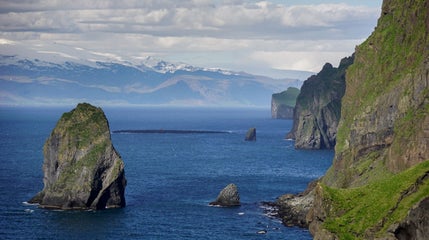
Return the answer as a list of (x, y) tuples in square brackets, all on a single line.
[(259, 37)]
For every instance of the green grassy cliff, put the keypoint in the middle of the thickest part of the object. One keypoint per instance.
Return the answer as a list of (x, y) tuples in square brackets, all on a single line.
[(380, 175)]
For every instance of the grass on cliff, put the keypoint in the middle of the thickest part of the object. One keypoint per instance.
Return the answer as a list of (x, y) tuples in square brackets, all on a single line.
[(395, 50), (368, 211), (84, 124), (287, 97)]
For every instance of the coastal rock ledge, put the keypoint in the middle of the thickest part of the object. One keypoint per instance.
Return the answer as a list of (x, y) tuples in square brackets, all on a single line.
[(82, 169), (228, 197)]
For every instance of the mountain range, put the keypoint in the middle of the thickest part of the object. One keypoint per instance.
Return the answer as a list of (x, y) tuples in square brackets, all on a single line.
[(29, 77)]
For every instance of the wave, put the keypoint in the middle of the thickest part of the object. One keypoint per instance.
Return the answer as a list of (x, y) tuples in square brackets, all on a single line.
[(30, 204)]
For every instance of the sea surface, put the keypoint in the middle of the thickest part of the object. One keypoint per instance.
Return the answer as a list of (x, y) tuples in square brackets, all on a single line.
[(171, 177)]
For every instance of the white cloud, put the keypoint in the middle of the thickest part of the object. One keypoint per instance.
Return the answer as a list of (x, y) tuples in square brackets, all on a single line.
[(207, 29), (287, 60)]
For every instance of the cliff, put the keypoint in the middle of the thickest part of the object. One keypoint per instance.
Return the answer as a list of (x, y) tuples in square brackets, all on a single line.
[(318, 108), (283, 104), (378, 184), (82, 170)]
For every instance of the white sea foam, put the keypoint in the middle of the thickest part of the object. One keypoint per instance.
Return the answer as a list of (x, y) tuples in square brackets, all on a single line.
[(30, 204)]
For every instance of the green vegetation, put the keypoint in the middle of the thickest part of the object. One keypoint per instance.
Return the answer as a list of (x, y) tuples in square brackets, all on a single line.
[(287, 97), (83, 131), (386, 60), (83, 125), (81, 172), (371, 209), (379, 172), (410, 126)]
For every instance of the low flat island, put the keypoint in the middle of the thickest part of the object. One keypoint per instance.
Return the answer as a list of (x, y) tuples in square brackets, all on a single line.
[(169, 131)]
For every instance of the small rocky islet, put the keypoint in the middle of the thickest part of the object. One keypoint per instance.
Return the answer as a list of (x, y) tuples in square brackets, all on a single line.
[(251, 135), (228, 197)]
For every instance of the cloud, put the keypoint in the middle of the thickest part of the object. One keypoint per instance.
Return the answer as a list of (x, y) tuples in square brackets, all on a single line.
[(298, 60), (169, 18), (170, 29)]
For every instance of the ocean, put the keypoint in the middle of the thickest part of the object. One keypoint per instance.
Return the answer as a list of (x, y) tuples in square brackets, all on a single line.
[(171, 177)]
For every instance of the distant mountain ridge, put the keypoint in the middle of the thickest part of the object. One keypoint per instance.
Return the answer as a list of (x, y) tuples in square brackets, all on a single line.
[(34, 81), (29, 77)]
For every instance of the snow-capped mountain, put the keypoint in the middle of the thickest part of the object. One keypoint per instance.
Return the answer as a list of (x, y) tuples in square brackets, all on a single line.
[(55, 78)]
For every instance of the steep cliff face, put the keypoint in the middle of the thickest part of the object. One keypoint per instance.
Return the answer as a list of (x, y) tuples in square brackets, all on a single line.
[(82, 170), (283, 104), (317, 110), (379, 179), (385, 107)]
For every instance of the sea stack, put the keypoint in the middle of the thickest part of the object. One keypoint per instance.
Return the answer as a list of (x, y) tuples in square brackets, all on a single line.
[(228, 197), (251, 135), (82, 169), (318, 107)]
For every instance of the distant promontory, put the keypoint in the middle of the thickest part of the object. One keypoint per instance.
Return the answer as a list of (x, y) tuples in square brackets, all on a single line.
[(283, 104)]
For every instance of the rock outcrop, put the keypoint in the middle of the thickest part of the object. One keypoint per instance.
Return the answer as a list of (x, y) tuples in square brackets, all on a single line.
[(283, 104), (293, 208), (318, 108), (416, 224), (378, 184), (228, 197), (251, 135), (82, 170)]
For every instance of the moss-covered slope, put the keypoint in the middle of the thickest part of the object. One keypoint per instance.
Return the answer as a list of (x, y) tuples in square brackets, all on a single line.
[(381, 166), (318, 108), (386, 104), (81, 167)]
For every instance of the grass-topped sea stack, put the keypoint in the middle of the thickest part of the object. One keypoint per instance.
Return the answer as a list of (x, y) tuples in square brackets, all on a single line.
[(82, 169)]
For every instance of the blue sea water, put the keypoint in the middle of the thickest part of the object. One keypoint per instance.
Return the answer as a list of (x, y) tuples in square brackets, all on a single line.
[(171, 177)]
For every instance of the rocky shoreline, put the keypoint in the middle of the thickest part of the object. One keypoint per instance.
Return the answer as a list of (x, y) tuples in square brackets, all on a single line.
[(292, 209)]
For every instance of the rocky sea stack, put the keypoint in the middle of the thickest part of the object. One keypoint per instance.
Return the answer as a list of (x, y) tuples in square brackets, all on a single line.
[(228, 197), (82, 169), (251, 135)]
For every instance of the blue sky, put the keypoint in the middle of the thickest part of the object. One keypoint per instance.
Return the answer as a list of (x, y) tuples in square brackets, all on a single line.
[(259, 37)]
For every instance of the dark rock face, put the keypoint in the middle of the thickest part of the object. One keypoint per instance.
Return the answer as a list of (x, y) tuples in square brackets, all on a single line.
[(416, 225), (318, 108), (228, 197), (251, 135), (82, 170)]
